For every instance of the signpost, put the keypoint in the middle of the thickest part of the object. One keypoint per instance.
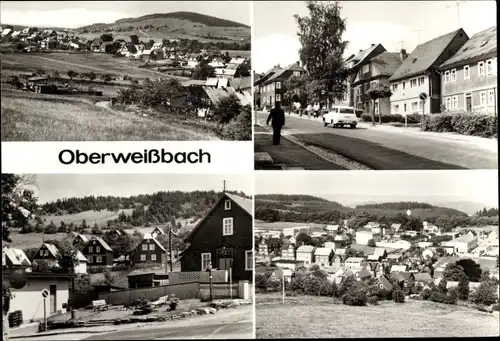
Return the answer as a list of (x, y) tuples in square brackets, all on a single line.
[(423, 97), (283, 279), (45, 294)]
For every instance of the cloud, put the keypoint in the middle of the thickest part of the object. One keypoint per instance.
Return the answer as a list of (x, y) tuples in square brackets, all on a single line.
[(66, 17), (274, 49)]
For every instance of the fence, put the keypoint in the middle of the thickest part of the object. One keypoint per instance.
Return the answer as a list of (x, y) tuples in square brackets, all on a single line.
[(197, 276), (220, 290), (186, 290)]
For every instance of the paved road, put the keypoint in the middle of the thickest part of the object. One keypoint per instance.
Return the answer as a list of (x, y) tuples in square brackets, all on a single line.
[(382, 148)]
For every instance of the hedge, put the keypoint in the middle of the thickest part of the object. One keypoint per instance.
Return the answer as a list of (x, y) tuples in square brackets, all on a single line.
[(465, 124), (389, 118)]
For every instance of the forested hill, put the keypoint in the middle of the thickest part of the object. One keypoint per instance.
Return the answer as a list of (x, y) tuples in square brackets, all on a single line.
[(411, 205), (158, 205)]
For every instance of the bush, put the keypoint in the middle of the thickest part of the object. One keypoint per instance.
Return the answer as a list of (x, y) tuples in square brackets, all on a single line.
[(463, 289), (355, 297), (273, 285), (425, 294), (465, 124), (485, 293), (495, 307), (440, 297), (373, 300), (260, 281), (203, 296), (398, 296)]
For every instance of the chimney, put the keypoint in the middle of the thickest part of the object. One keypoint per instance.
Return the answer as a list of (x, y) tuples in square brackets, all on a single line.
[(373, 45), (298, 62), (360, 50), (403, 54)]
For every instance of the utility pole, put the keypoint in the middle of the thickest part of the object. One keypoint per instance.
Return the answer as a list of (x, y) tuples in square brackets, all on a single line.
[(170, 246), (457, 5)]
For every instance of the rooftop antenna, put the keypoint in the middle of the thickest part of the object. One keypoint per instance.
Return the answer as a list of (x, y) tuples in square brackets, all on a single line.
[(224, 186), (457, 5), (418, 32), (401, 42)]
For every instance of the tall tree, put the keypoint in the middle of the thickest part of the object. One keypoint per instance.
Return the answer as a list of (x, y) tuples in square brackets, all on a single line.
[(320, 35)]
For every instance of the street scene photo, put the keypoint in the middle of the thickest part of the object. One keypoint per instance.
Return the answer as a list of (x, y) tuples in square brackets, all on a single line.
[(376, 254), (132, 71), (377, 85), (127, 257)]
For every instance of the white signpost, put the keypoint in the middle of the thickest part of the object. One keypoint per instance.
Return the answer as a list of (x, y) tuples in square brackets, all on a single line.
[(423, 97), (45, 294)]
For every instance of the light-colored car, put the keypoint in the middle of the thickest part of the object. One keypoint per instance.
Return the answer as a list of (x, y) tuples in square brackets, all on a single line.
[(340, 116)]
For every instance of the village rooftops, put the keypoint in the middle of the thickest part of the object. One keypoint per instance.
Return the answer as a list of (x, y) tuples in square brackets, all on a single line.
[(103, 243), (37, 79), (306, 248), (481, 45), (323, 251), (463, 239), (354, 260)]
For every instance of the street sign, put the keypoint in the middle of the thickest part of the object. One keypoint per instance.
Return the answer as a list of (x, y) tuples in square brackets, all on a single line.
[(45, 293), (423, 96)]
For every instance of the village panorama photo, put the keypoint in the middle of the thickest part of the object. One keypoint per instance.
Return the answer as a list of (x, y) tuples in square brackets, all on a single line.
[(127, 257), (131, 71), (376, 254)]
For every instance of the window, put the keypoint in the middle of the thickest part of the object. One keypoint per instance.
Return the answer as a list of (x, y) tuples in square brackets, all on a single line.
[(394, 87), (91, 249), (489, 66), (366, 68), (296, 73), (491, 97), (413, 83), (90, 259), (448, 102), (249, 260), (414, 106), (278, 85), (404, 107), (421, 105), (143, 257), (206, 259), (227, 226), (97, 249), (98, 259), (447, 77), (396, 108), (421, 81), (466, 72), (454, 75), (227, 205), (144, 247), (278, 97), (151, 247), (41, 252), (482, 98), (480, 69), (454, 101), (404, 85), (153, 257)]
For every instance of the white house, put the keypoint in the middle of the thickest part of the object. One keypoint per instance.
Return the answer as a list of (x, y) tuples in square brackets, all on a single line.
[(355, 263), (362, 237), (463, 244), (305, 253), (290, 264), (80, 263)]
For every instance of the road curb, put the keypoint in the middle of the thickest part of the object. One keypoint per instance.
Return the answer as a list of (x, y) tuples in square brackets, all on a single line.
[(63, 332)]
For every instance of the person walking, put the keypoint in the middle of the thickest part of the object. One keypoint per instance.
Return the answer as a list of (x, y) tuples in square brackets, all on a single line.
[(277, 115)]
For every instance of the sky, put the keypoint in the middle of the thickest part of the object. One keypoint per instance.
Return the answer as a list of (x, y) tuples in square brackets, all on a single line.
[(275, 38), (57, 186), (349, 188), (74, 14)]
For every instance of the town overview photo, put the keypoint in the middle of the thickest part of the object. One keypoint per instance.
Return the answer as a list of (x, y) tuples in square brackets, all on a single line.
[(376, 254), (382, 85), (134, 257), (138, 71)]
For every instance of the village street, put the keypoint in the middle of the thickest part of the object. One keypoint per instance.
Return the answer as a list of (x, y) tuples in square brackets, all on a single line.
[(366, 147)]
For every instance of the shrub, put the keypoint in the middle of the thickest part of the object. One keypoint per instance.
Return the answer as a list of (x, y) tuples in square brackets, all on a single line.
[(495, 307), (373, 300), (440, 297), (204, 296), (463, 289), (355, 297), (453, 294), (425, 294), (273, 284), (297, 284), (398, 296), (260, 281), (465, 124), (486, 293)]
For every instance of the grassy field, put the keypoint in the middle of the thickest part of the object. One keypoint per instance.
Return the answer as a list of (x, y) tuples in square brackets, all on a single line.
[(39, 117), (280, 225), (310, 317), (91, 217)]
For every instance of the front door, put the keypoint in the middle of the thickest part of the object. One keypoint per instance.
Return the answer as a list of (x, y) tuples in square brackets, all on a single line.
[(225, 260), (53, 299), (468, 103)]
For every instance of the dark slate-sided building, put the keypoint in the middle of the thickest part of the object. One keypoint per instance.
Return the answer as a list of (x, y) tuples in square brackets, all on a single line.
[(98, 253)]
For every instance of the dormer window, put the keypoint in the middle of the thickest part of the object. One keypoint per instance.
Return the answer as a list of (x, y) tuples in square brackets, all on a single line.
[(483, 43), (227, 205)]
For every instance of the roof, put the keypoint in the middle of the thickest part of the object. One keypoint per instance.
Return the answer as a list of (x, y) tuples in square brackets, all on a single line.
[(379, 252), (244, 203), (52, 249), (363, 273), (102, 242), (394, 256), (278, 73), (323, 251), (464, 239), (288, 261), (194, 82), (423, 277), (16, 257), (482, 44), (223, 82), (398, 268), (81, 257), (34, 79), (424, 56), (395, 226), (354, 259), (361, 56), (387, 62), (339, 252), (84, 238), (242, 83), (305, 248), (221, 71), (385, 283), (156, 242)]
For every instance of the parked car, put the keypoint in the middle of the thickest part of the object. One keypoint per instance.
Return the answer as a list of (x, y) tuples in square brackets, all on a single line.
[(341, 116)]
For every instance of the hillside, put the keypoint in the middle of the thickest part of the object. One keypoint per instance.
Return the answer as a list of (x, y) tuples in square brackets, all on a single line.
[(415, 207), (175, 25)]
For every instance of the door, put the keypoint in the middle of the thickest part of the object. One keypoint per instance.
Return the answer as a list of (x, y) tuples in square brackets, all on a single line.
[(53, 299), (225, 260), (468, 103)]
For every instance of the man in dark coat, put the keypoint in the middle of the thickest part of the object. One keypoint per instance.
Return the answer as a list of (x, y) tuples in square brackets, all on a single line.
[(277, 115)]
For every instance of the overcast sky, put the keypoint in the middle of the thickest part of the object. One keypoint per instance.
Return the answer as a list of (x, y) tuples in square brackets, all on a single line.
[(353, 187), (368, 22), (57, 186), (73, 14)]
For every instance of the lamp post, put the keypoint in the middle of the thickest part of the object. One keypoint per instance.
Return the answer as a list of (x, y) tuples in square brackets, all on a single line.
[(209, 269)]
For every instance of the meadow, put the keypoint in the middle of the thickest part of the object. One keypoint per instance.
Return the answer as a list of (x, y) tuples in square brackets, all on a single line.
[(320, 317), (280, 225), (30, 116)]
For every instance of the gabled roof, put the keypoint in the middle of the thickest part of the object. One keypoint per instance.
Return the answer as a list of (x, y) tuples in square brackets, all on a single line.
[(323, 251), (362, 55), (84, 238), (482, 44), (385, 283), (222, 83), (16, 257), (244, 203), (354, 259), (424, 56), (339, 252), (155, 241), (387, 62), (363, 273), (380, 251), (102, 242), (80, 257), (399, 268), (242, 82), (305, 248), (52, 249), (423, 277), (226, 71), (268, 74), (293, 67)]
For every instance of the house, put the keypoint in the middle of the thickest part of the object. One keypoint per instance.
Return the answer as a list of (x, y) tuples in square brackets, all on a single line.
[(142, 279), (15, 34), (98, 253), (29, 298), (428, 253), (423, 277), (14, 258), (462, 244), (158, 231), (95, 46), (271, 84), (7, 32), (322, 256), (264, 249), (374, 69), (363, 237), (149, 250), (332, 245), (80, 239), (375, 268), (223, 238), (378, 254), (354, 263), (79, 262), (363, 274), (396, 257), (340, 255), (49, 253), (469, 77), (332, 229), (241, 83), (430, 228), (383, 283), (217, 62), (305, 253), (288, 253), (399, 268), (115, 233), (225, 72), (419, 73), (293, 265), (395, 227), (402, 244)]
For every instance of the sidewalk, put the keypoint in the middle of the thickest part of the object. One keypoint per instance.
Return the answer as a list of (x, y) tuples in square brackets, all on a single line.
[(27, 331)]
